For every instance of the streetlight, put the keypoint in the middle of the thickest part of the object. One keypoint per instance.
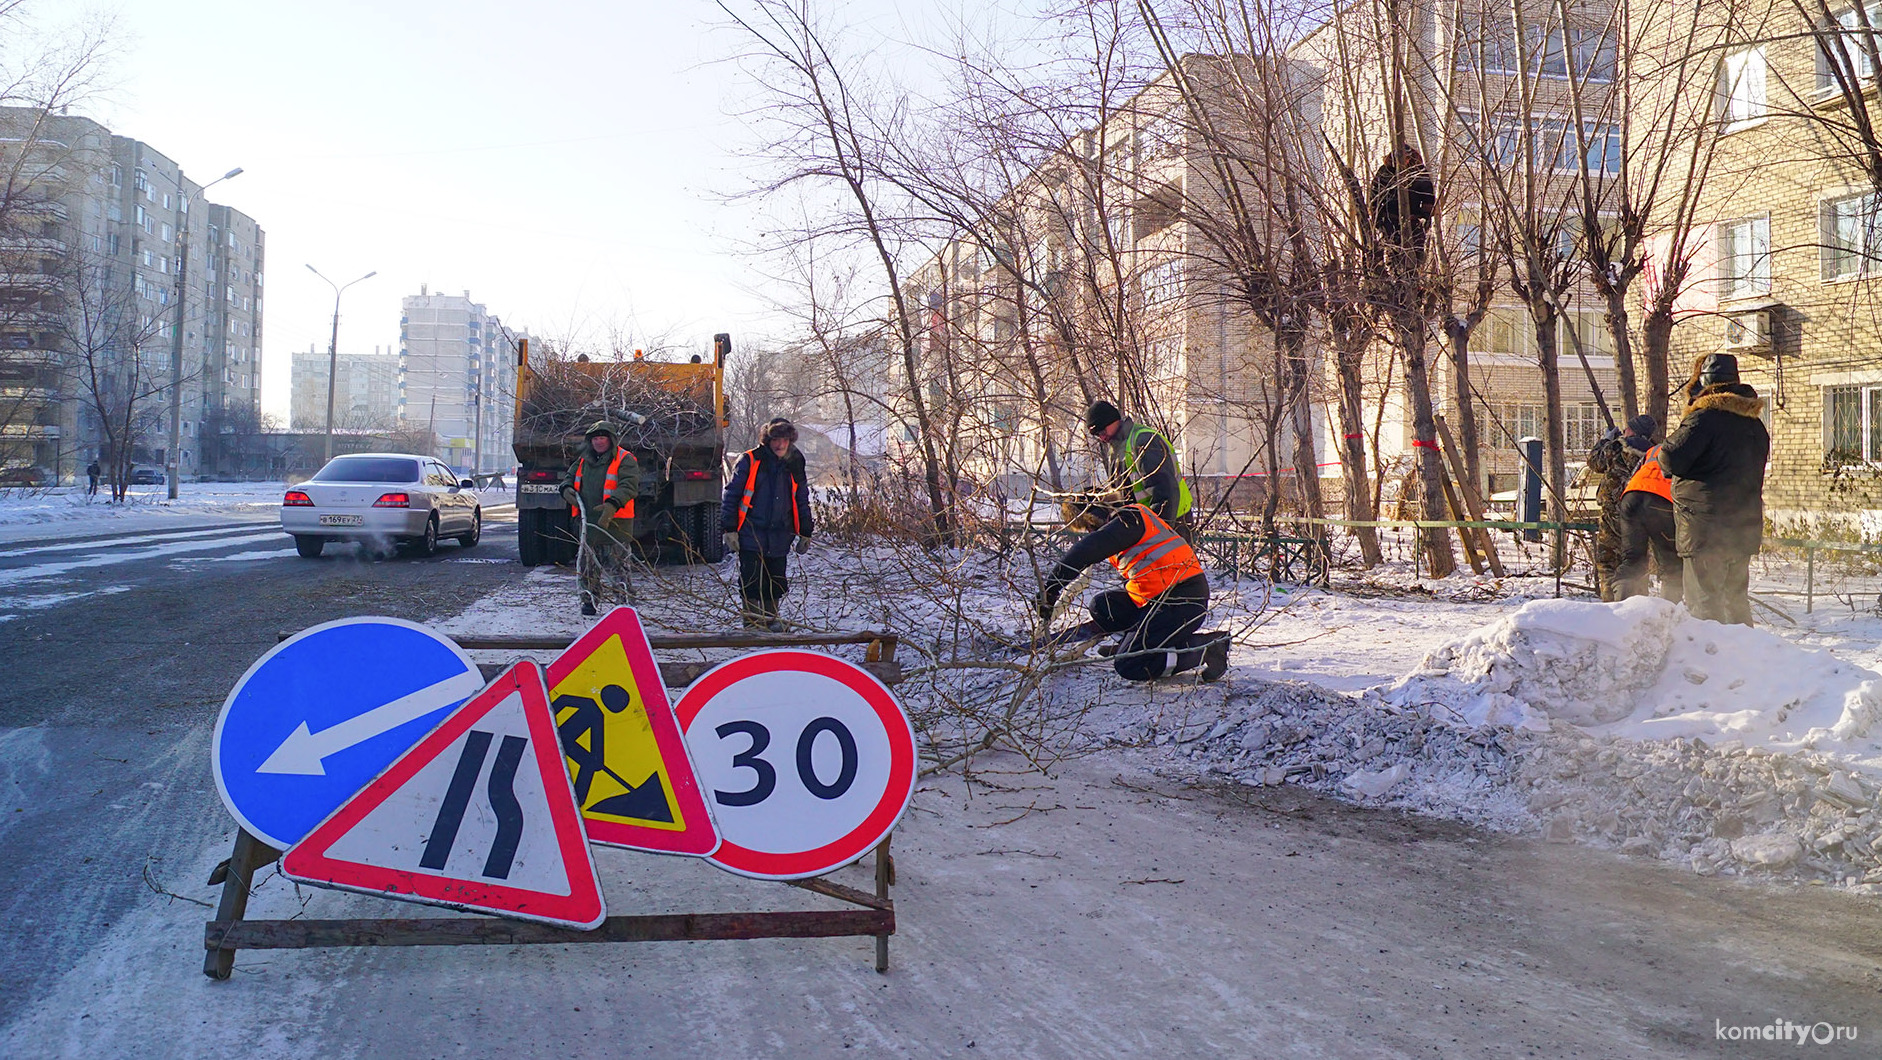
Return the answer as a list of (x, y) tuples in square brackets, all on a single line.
[(174, 457), (333, 350)]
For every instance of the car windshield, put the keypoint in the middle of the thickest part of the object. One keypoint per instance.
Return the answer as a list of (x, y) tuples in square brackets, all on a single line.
[(369, 469)]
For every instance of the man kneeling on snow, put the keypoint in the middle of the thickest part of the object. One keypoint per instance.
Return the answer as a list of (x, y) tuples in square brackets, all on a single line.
[(1164, 599)]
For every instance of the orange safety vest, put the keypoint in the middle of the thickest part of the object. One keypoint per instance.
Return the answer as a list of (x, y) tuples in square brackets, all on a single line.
[(1158, 560), (751, 487), (607, 485), (1650, 478)]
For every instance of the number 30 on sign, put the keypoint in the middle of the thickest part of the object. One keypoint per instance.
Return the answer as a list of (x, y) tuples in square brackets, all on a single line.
[(807, 761)]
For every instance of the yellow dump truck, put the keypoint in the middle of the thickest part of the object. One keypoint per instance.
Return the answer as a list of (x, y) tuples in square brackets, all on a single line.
[(671, 415)]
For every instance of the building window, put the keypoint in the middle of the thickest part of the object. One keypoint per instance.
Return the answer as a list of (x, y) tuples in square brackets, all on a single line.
[(1853, 42), (1582, 425), (1852, 424), (1851, 236), (1745, 258), (1741, 89)]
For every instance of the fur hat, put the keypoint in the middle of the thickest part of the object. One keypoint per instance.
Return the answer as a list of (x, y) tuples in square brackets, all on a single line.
[(1718, 368), (780, 428)]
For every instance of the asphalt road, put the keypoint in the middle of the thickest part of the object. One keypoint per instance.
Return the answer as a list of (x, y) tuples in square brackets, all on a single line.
[(117, 652)]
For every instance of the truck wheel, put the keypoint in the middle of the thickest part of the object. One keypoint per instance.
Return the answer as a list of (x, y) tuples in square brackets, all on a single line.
[(308, 545), (707, 541), (529, 542)]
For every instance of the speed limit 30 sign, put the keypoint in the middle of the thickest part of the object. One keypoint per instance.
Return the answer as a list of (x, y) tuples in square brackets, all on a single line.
[(807, 760)]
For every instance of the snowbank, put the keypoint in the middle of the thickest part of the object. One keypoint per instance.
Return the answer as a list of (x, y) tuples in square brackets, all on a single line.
[(1646, 669)]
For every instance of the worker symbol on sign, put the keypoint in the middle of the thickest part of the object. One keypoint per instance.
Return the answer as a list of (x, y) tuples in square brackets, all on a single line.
[(583, 728), (626, 758)]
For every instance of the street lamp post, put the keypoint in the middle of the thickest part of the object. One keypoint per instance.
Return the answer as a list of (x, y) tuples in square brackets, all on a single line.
[(333, 350), (174, 456)]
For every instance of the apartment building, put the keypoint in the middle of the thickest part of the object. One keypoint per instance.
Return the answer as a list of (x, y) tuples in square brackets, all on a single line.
[(456, 378), (95, 237), (365, 392), (1786, 261), (1088, 286), (1508, 124)]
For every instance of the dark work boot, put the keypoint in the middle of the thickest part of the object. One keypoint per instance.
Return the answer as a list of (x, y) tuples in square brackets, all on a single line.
[(772, 621), (588, 604), (1215, 658)]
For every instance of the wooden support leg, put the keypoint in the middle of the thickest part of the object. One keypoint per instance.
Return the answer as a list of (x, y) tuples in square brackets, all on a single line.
[(885, 875), (238, 875)]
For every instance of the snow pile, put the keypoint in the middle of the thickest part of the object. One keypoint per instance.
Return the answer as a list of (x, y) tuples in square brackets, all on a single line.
[(1645, 669)]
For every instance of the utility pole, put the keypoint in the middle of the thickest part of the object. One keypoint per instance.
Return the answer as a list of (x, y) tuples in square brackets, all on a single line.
[(173, 457), (333, 351)]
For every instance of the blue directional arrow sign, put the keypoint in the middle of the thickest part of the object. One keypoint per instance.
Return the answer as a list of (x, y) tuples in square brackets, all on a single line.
[(326, 711)]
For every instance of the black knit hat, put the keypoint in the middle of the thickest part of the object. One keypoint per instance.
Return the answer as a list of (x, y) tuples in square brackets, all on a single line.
[(1643, 425), (1100, 415)]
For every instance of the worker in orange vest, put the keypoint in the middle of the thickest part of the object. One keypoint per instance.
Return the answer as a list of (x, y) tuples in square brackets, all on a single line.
[(1165, 595), (766, 507), (1646, 513), (603, 482)]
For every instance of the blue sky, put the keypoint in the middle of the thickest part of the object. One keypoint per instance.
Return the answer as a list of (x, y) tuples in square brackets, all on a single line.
[(557, 159)]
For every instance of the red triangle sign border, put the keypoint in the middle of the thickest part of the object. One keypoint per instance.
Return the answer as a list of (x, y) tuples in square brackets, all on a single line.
[(701, 836), (583, 908)]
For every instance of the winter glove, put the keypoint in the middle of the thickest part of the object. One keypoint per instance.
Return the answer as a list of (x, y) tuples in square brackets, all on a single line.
[(803, 545), (731, 540), (609, 507), (569, 495)]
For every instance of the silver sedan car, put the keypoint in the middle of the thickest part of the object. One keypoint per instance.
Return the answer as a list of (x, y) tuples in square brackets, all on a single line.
[(381, 500)]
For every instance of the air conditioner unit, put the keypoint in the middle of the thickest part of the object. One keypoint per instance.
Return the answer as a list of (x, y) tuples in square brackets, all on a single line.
[(1749, 330)]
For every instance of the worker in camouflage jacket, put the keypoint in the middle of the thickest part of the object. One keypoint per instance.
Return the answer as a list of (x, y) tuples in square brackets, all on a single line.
[(1615, 458), (602, 482)]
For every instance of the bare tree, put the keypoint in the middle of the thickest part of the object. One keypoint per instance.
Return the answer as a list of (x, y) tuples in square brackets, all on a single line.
[(110, 342), (828, 133)]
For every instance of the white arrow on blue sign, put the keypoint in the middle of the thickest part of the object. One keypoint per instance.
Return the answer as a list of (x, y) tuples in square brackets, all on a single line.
[(326, 711)]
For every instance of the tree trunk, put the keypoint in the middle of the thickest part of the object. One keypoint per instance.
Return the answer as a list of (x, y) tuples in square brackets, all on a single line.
[(1467, 438), (1437, 540), (1359, 506), (1656, 339), (1306, 460), (1556, 444), (1623, 354)]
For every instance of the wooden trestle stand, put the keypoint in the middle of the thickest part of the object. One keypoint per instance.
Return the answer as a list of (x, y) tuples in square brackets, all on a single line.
[(231, 931)]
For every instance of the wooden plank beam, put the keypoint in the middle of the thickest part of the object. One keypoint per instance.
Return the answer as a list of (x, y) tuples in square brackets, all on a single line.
[(842, 893), (681, 674), (494, 931)]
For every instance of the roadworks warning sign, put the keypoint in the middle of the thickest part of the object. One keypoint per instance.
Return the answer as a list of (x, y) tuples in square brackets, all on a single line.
[(626, 758)]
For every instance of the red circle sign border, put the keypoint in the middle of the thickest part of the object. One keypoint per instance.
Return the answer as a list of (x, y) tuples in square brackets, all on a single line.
[(837, 852)]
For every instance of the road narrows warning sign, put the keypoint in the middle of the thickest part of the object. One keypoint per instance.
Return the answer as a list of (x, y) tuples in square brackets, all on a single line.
[(809, 761), (479, 815), (626, 757)]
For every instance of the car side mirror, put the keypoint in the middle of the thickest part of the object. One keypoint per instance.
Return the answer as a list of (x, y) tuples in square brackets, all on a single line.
[(466, 484)]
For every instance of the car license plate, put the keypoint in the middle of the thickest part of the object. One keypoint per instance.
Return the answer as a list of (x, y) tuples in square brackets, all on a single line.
[(342, 520), (537, 487)]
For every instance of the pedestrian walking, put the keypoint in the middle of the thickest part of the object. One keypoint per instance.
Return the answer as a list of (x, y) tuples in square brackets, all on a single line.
[(601, 484), (92, 472), (1164, 599), (1715, 460), (767, 507), (1647, 531), (1141, 464), (1614, 458)]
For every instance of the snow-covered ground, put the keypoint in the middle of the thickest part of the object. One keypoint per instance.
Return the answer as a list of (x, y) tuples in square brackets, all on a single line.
[(1628, 726)]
